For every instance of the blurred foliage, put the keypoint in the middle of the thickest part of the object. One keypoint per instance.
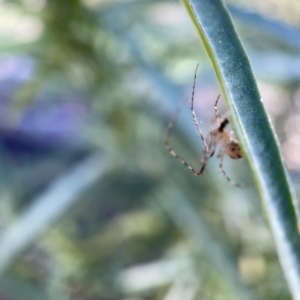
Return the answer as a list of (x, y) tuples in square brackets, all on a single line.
[(91, 204)]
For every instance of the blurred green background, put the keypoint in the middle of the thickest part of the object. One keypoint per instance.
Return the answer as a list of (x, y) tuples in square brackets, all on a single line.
[(92, 206)]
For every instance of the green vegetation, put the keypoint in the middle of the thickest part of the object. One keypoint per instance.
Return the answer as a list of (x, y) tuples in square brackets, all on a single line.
[(92, 206)]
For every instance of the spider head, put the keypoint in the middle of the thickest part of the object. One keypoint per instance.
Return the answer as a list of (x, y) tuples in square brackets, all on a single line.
[(233, 150)]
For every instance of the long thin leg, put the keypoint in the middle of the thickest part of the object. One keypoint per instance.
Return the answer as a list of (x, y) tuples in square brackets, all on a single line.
[(194, 114), (228, 179), (208, 154), (172, 124), (218, 117), (168, 137)]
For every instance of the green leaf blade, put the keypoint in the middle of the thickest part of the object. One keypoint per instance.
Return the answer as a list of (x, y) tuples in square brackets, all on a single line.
[(254, 130)]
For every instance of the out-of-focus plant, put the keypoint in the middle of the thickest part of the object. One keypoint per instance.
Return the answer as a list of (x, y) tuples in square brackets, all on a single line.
[(91, 204)]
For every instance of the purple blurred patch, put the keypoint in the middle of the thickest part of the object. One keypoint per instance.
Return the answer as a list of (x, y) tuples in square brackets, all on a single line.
[(49, 123)]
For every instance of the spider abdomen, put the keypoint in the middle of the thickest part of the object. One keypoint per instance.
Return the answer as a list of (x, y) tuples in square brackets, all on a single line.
[(233, 150)]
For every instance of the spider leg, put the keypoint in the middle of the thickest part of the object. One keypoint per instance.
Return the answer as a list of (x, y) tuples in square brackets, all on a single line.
[(194, 114), (208, 154), (204, 163), (224, 173), (244, 185), (168, 137), (218, 117)]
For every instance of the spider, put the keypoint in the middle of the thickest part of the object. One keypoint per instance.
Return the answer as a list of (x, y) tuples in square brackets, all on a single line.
[(217, 137)]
